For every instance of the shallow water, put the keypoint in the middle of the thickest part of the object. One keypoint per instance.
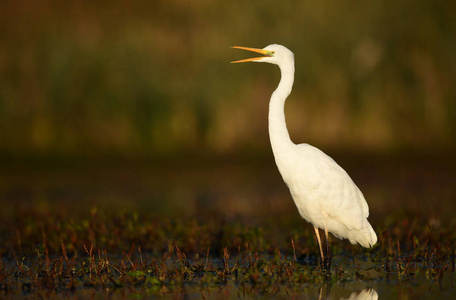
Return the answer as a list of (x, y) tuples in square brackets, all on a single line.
[(412, 202), (350, 278)]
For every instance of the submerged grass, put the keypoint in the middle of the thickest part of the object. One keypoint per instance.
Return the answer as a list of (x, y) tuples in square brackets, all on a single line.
[(127, 254), (124, 233)]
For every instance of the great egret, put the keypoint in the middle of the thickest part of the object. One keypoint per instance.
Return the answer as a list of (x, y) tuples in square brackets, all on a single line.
[(323, 192)]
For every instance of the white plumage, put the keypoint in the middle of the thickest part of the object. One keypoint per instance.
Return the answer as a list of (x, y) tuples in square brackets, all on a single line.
[(323, 192)]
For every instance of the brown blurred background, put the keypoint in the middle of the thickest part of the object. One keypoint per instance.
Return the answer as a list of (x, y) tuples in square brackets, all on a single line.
[(151, 80)]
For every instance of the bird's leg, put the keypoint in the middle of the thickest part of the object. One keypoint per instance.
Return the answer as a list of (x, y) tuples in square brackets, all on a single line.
[(320, 294), (328, 252), (317, 233)]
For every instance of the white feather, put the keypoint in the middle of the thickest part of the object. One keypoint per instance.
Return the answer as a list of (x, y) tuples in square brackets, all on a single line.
[(323, 192)]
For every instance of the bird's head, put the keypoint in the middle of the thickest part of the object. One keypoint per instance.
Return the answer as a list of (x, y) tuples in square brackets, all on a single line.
[(273, 54)]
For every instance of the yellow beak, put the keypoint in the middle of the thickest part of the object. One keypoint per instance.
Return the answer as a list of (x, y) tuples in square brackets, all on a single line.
[(264, 52)]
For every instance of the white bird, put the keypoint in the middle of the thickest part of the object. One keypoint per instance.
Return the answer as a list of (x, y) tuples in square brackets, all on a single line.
[(323, 192)]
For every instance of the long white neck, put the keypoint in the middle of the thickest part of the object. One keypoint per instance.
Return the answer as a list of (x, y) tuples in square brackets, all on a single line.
[(278, 133)]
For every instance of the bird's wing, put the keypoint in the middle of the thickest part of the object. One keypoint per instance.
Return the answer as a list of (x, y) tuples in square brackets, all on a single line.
[(329, 186)]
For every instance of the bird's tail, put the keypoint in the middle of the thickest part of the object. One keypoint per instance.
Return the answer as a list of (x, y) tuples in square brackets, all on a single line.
[(366, 236)]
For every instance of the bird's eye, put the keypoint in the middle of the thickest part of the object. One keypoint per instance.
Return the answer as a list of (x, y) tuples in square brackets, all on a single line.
[(273, 52)]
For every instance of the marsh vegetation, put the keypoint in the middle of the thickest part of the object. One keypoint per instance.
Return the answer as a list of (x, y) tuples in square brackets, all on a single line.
[(208, 233)]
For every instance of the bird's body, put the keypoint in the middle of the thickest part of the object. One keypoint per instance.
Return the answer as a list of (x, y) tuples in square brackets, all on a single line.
[(323, 192), (326, 196)]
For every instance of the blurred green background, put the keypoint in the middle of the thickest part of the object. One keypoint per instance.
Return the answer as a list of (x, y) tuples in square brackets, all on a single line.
[(153, 79)]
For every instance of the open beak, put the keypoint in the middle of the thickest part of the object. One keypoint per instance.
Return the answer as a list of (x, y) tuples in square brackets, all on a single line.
[(266, 53)]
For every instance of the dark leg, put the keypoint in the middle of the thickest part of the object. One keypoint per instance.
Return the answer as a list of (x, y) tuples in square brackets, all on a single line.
[(327, 262)]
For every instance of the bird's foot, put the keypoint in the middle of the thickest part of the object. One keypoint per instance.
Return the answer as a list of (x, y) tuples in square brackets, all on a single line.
[(327, 264)]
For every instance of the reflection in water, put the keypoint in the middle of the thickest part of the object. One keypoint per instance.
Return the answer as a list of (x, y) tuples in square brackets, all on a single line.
[(366, 294)]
